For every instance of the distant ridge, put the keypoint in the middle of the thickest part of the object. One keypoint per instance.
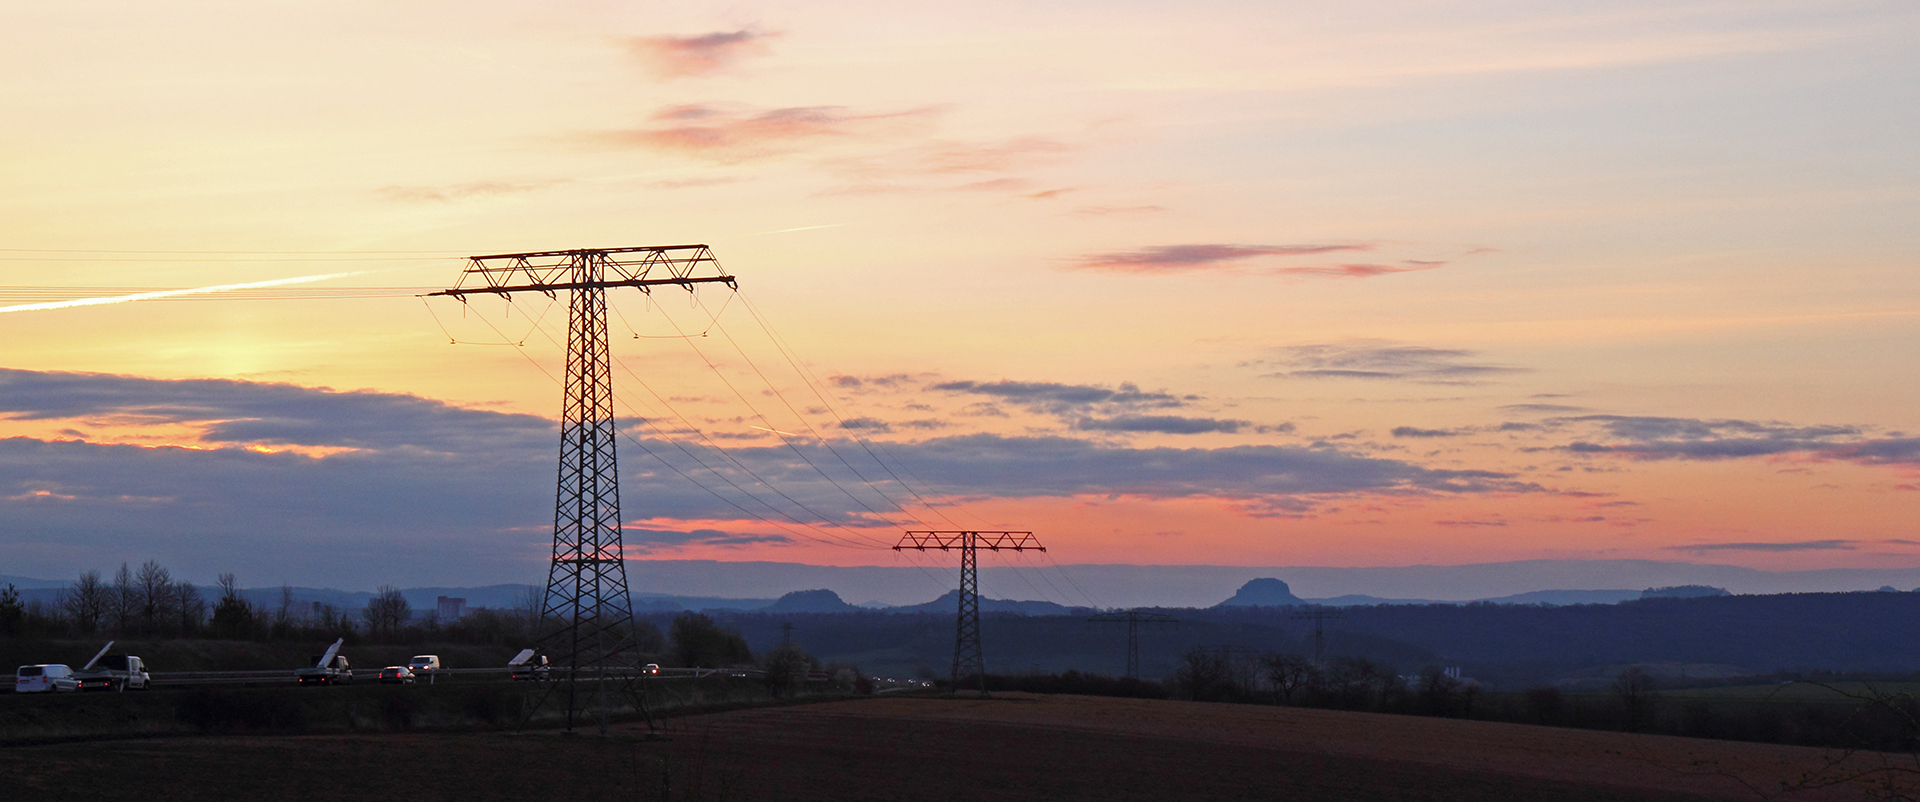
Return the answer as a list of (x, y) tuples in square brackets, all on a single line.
[(809, 601), (950, 602)]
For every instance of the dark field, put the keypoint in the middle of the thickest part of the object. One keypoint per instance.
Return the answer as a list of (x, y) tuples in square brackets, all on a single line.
[(1013, 747)]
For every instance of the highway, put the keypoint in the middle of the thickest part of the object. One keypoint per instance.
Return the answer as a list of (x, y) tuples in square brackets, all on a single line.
[(178, 679)]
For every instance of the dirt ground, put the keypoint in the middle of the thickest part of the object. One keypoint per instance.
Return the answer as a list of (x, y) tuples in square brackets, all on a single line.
[(1013, 747)]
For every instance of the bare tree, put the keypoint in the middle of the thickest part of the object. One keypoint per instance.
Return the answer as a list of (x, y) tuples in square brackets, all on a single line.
[(1289, 674), (1437, 690), (188, 606), (1205, 675), (529, 605), (153, 589), (387, 613), (1637, 697), (86, 602), (283, 617), (125, 600)]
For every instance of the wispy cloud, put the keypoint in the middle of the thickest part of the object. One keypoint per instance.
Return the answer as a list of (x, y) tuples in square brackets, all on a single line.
[(682, 56), (1190, 258), (1355, 270), (1795, 545), (726, 133), (1654, 437), (1064, 398), (1414, 432), (1162, 424), (1381, 360), (652, 540), (459, 192)]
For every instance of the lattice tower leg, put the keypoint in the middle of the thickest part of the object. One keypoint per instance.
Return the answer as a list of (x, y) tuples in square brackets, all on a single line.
[(586, 609), (967, 657)]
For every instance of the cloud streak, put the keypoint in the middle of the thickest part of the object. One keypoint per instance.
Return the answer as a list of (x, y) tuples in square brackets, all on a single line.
[(1193, 258), (725, 133), (1159, 424), (1384, 361)]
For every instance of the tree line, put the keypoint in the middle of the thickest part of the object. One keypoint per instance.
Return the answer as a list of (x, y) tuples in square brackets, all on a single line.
[(148, 602)]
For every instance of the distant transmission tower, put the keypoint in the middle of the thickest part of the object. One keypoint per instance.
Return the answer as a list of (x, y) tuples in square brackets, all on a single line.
[(586, 614), (1319, 616), (1133, 618), (967, 657)]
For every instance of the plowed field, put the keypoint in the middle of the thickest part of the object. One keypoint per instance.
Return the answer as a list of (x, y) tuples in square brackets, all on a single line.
[(1013, 747)]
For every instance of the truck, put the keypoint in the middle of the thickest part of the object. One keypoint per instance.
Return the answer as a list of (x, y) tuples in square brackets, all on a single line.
[(528, 665), (113, 672), (327, 669)]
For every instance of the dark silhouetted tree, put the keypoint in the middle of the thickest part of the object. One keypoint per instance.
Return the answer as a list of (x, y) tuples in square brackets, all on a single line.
[(387, 613), (233, 617), (87, 602), (1635, 689), (698, 642), (1289, 674), (12, 612)]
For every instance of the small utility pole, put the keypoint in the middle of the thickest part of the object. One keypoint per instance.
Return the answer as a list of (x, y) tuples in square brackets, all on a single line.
[(1133, 619), (967, 657), (1319, 616)]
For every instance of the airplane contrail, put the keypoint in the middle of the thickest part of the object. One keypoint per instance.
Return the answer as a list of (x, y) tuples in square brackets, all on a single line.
[(147, 296)]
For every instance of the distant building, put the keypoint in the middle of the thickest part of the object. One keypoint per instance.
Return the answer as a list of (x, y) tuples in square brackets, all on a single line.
[(450, 608)]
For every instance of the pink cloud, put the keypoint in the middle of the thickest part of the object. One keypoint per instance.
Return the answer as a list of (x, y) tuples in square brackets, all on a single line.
[(1355, 270), (728, 134), (682, 56)]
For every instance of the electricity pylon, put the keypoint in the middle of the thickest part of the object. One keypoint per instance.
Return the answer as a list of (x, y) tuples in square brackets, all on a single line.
[(1134, 619), (586, 614), (967, 657), (1319, 615)]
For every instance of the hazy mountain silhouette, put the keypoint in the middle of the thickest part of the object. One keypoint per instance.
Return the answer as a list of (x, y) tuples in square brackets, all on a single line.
[(1264, 592)]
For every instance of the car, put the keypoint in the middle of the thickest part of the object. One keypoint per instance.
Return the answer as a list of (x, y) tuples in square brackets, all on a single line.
[(45, 678), (424, 663), (400, 675), (650, 669)]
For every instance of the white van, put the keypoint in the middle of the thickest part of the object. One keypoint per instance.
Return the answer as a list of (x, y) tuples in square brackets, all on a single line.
[(44, 678)]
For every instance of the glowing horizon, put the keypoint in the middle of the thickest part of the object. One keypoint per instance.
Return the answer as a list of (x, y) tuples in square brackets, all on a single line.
[(1224, 284)]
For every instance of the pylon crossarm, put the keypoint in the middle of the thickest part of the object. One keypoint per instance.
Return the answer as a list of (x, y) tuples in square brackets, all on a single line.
[(548, 271), (953, 539)]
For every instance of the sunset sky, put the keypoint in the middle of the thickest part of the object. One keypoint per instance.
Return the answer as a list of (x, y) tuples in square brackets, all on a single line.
[(1230, 283)]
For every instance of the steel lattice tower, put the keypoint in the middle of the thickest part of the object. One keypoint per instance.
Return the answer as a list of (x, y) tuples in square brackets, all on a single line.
[(968, 659), (1133, 619), (586, 612)]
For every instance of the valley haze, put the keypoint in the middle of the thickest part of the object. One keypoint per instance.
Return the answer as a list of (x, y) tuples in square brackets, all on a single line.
[(722, 584)]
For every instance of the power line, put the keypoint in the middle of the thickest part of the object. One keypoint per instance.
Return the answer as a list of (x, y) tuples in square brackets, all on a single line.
[(632, 407)]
